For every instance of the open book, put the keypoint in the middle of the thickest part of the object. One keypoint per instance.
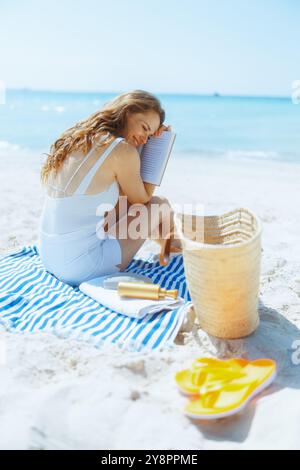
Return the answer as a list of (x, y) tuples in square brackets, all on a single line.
[(154, 157)]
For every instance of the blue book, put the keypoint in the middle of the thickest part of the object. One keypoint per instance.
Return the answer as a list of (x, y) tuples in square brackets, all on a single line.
[(155, 155)]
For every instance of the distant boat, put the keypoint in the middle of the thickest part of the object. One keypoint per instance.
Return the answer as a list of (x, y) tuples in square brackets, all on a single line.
[(216, 95)]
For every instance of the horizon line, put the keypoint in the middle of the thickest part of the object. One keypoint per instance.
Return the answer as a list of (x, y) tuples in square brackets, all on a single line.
[(215, 94)]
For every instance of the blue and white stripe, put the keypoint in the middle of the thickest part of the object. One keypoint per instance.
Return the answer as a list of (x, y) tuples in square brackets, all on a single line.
[(31, 299)]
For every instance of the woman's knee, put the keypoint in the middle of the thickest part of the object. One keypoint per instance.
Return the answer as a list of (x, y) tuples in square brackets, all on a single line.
[(159, 200), (160, 216)]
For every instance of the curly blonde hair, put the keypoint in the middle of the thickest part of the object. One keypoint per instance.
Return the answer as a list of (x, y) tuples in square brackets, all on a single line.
[(110, 120)]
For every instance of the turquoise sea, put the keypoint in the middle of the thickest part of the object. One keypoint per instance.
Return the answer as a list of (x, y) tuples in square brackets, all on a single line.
[(219, 126)]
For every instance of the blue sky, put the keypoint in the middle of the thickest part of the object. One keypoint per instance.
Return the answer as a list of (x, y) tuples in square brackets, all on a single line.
[(238, 47)]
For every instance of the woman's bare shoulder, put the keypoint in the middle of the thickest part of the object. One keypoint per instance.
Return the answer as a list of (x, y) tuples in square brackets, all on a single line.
[(125, 149), (125, 145)]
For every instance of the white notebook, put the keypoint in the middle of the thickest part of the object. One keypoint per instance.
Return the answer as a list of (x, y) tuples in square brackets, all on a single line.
[(154, 157)]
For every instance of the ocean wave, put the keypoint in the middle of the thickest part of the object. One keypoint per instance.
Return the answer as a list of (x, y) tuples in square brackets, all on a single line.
[(252, 155), (57, 109), (15, 153), (4, 145), (241, 155), (247, 156)]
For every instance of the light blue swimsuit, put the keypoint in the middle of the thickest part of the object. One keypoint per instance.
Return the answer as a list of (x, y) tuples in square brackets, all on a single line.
[(73, 245)]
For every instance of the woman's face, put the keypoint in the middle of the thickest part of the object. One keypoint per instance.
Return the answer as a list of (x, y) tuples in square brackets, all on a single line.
[(140, 126)]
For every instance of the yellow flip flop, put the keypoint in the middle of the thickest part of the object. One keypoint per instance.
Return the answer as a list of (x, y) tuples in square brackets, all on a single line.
[(225, 387), (205, 370)]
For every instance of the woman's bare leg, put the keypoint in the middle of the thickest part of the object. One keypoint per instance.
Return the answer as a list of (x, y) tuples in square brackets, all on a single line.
[(156, 227)]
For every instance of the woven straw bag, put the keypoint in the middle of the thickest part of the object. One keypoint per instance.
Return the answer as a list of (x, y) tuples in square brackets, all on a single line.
[(222, 270)]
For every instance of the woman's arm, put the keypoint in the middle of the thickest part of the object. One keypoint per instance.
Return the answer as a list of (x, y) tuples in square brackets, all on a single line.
[(127, 166), (127, 170)]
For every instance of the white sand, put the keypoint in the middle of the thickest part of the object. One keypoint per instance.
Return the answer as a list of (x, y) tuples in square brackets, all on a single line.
[(63, 394)]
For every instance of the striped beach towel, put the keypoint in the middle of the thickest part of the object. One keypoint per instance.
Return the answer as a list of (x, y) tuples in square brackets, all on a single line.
[(31, 300)]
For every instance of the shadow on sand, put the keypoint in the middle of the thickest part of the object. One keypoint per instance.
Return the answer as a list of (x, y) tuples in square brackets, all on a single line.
[(273, 339)]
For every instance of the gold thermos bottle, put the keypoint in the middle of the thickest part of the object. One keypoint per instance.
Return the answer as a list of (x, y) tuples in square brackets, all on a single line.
[(145, 291)]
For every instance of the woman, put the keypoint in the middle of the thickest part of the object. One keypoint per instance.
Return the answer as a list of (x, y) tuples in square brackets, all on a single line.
[(91, 165)]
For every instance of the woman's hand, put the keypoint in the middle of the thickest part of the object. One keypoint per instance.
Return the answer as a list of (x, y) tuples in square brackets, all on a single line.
[(161, 129)]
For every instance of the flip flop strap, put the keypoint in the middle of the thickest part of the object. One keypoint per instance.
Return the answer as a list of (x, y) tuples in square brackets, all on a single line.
[(209, 393), (199, 375)]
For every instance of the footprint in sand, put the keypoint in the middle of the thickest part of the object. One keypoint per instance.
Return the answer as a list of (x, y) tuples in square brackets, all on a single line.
[(267, 217), (296, 286)]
